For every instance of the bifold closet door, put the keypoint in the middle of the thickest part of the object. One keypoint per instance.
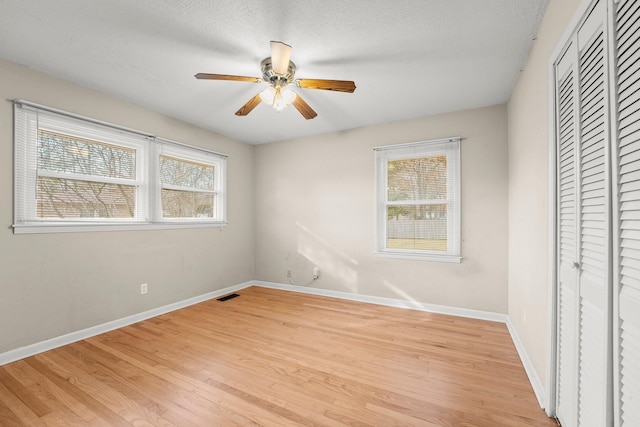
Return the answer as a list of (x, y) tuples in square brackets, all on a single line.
[(568, 212), (584, 268), (626, 42)]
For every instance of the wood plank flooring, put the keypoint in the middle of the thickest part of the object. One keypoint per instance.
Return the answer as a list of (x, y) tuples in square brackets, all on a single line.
[(277, 358)]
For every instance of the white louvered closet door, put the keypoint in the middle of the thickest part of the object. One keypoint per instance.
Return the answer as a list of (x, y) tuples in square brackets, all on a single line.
[(584, 294), (626, 22), (566, 107), (594, 349)]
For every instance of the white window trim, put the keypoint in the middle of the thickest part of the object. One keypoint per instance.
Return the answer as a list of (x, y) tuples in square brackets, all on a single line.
[(148, 147), (58, 124), (448, 146), (173, 149)]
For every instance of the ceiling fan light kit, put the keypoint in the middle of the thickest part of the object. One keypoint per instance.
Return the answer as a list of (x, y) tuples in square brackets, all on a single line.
[(277, 94), (278, 72), (278, 97)]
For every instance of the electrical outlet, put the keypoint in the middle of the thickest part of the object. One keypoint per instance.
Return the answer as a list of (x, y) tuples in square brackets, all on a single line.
[(288, 273), (143, 289), (316, 272)]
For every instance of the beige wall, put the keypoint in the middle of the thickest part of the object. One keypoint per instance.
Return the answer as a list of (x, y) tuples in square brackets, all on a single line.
[(315, 206), (528, 112), (53, 284), (313, 200)]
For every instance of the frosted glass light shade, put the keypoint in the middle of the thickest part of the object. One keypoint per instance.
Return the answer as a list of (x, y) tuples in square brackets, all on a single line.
[(268, 95), (288, 96), (280, 54), (277, 98)]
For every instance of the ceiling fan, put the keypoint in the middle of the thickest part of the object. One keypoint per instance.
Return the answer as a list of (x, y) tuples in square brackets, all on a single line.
[(278, 71)]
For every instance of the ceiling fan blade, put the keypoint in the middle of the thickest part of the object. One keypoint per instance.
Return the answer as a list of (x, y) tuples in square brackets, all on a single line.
[(336, 85), (249, 106), (304, 109), (280, 55), (207, 76)]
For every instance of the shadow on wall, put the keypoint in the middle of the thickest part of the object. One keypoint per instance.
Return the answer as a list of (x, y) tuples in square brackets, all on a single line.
[(331, 261), (402, 294), (334, 263)]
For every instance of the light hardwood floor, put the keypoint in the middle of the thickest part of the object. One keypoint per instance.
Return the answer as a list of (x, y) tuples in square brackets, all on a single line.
[(277, 358)]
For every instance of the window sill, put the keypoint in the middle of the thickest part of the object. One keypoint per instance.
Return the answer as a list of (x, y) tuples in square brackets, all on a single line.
[(78, 228), (420, 257)]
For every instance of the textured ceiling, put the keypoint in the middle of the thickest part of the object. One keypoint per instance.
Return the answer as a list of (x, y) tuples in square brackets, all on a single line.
[(409, 58)]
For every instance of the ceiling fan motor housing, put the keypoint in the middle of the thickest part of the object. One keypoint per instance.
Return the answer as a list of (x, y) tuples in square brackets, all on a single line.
[(275, 79)]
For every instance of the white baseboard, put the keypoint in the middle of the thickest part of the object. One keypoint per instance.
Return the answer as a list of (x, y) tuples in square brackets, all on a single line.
[(30, 350), (434, 308), (50, 344), (536, 384)]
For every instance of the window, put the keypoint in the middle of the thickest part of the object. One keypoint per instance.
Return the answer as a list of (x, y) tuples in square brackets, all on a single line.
[(418, 202), (74, 174), (189, 185)]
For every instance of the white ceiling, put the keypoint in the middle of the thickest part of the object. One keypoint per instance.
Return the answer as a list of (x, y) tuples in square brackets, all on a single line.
[(408, 58)]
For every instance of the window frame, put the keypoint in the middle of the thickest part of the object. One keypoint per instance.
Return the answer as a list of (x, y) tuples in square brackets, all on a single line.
[(30, 118), (57, 124), (430, 148), (179, 151)]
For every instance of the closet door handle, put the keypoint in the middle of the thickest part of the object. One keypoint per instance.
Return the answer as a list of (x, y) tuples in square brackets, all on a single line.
[(576, 265)]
